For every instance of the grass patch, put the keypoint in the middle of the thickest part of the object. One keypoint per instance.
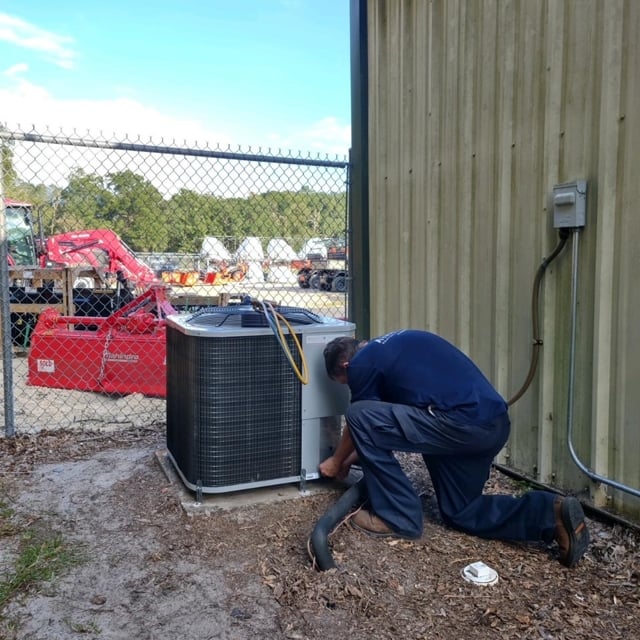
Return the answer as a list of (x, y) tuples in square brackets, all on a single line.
[(39, 561), (83, 627), (7, 528)]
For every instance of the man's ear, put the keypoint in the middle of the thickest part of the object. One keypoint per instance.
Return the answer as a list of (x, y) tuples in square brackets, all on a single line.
[(345, 365)]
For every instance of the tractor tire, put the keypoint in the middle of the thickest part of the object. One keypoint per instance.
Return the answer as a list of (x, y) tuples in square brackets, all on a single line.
[(84, 283), (339, 283), (314, 281)]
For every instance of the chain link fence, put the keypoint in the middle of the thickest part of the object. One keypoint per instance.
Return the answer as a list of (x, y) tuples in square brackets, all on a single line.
[(103, 239)]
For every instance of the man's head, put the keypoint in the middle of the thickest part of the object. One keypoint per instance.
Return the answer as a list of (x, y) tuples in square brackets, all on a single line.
[(337, 355)]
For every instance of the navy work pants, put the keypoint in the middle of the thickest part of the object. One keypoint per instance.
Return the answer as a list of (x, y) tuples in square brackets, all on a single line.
[(458, 458)]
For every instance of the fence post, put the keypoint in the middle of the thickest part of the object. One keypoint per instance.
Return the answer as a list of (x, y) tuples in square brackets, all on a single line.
[(5, 309)]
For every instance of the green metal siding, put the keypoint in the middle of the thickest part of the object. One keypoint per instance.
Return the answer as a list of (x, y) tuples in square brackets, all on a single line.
[(476, 109)]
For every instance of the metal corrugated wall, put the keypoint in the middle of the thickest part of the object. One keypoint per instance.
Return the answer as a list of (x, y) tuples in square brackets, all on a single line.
[(476, 110)]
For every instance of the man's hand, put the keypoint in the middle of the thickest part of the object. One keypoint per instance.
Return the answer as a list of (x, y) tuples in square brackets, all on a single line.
[(330, 468), (333, 468), (338, 465)]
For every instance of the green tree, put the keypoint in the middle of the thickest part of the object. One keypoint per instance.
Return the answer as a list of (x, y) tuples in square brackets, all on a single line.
[(133, 207), (136, 212), (82, 204), (9, 175), (188, 216)]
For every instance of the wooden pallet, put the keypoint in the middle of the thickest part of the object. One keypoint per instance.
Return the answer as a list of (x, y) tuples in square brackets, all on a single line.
[(61, 278)]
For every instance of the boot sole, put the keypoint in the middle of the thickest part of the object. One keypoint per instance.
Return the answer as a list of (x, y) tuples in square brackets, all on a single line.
[(379, 534), (573, 520), (375, 534)]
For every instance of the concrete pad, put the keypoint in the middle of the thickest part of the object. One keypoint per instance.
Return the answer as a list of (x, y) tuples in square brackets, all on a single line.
[(238, 499)]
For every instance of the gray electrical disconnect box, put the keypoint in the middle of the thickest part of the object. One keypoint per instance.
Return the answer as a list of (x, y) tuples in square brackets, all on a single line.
[(570, 204)]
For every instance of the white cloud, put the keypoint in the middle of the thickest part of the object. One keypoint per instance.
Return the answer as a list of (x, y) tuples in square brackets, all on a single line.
[(327, 137), (26, 105), (30, 108), (16, 69), (56, 48)]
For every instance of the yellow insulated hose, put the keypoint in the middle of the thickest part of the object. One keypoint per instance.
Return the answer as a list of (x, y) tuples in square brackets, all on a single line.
[(303, 375), (275, 321)]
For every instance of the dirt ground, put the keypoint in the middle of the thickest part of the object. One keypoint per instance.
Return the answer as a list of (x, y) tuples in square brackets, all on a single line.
[(149, 570)]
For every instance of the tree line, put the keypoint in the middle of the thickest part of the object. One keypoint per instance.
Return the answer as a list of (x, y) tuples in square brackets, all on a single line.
[(134, 208)]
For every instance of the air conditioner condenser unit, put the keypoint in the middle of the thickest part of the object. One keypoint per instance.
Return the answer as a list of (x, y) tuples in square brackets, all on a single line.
[(238, 416)]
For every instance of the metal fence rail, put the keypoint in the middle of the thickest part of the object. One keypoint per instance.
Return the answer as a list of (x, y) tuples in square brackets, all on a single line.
[(101, 238)]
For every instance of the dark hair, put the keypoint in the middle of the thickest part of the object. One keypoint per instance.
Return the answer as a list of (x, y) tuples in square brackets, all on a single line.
[(337, 352)]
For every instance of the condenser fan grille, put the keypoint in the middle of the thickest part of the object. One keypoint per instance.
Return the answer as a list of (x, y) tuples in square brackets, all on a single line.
[(233, 409)]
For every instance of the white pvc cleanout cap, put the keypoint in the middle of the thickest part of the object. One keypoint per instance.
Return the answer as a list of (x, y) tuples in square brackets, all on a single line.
[(480, 573)]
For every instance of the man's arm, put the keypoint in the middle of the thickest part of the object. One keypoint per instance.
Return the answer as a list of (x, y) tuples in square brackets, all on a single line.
[(345, 454)]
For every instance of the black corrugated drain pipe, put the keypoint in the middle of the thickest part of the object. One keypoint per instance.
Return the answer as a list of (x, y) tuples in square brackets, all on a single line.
[(319, 550)]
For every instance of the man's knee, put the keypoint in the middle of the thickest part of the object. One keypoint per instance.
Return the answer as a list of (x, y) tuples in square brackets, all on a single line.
[(357, 408), (360, 413)]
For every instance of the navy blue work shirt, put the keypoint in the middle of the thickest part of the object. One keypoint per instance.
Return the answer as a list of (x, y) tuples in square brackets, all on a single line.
[(421, 369)]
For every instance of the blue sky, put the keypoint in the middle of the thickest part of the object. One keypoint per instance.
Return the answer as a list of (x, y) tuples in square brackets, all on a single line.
[(267, 73)]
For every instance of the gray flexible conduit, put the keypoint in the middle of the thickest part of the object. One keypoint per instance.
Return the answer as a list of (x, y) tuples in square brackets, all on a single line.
[(596, 477)]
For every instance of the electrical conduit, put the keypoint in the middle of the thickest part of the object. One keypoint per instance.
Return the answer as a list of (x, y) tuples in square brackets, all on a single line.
[(571, 392)]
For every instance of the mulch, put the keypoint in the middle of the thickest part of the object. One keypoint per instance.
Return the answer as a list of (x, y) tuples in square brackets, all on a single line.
[(388, 588)]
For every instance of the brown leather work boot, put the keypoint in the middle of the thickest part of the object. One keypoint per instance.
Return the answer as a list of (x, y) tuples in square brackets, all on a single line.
[(572, 534), (371, 524)]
